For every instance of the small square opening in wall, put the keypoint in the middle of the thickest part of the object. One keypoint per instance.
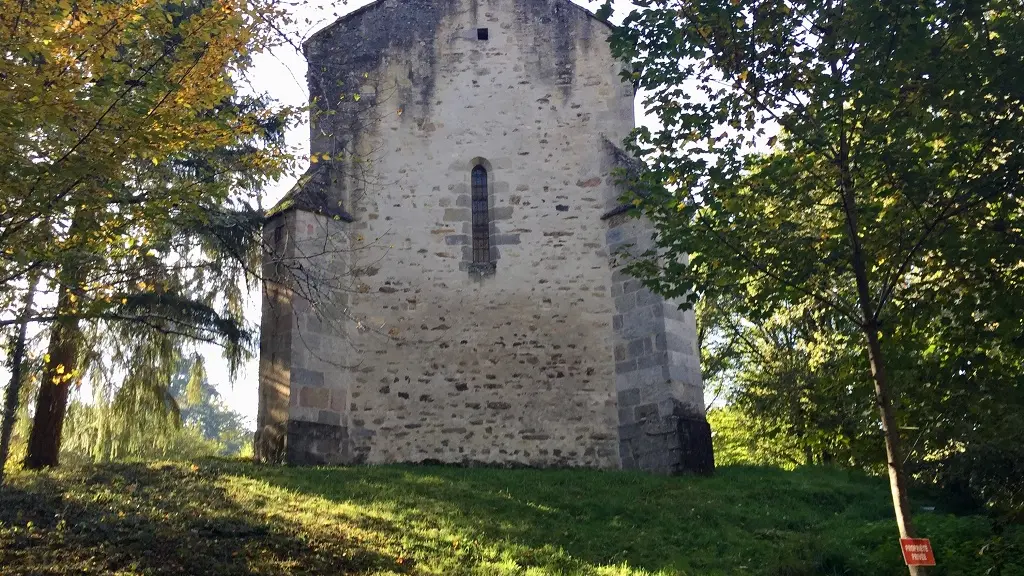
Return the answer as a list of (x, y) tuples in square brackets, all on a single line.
[(481, 33)]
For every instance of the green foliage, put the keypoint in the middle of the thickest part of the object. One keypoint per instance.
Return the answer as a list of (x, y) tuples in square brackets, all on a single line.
[(131, 164), (160, 412), (220, 518), (203, 409), (127, 143), (21, 426), (794, 385), (99, 434), (846, 175), (738, 442)]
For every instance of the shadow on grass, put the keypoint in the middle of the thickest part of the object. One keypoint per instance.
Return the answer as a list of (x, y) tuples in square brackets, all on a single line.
[(230, 517), (570, 521), (172, 519)]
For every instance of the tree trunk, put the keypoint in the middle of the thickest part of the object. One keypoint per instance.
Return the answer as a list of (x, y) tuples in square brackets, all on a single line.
[(59, 373), (894, 464), (883, 399), (12, 397), (893, 452)]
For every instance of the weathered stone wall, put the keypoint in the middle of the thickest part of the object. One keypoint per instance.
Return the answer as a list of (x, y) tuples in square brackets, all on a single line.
[(546, 357), (304, 356), (276, 329), (657, 369), (514, 366)]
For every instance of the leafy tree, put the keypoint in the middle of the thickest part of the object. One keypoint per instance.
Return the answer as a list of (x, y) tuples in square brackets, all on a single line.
[(130, 161), (796, 384), (203, 408), (164, 408), (794, 394), (890, 189)]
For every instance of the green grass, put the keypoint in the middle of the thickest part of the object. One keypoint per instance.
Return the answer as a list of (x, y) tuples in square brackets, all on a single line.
[(228, 517)]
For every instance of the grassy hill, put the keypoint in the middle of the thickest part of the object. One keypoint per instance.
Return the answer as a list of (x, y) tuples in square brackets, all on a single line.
[(227, 517)]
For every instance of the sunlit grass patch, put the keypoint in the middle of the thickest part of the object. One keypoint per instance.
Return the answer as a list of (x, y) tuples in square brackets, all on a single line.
[(229, 517)]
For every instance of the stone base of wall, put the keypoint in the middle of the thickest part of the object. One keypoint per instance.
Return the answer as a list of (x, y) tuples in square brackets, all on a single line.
[(268, 444), (679, 443), (316, 444), (676, 444), (301, 443), (696, 453)]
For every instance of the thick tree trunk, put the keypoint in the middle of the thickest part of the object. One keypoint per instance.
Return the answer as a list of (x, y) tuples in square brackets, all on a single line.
[(58, 375), (14, 386)]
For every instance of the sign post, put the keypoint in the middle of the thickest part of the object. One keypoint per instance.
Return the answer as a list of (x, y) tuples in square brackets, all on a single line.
[(917, 552)]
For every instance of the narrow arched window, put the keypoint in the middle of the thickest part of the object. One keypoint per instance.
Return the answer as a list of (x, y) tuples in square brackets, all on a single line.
[(481, 220)]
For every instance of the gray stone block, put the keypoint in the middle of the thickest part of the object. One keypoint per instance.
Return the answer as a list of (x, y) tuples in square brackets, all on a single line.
[(315, 443), (654, 393), (639, 378), (676, 342), (505, 239), (627, 245), (502, 213), (329, 417), (628, 397), (645, 297), (672, 311), (631, 285), (625, 303), (644, 412), (303, 377), (667, 407), (652, 360), (620, 353), (457, 214), (630, 431), (660, 342), (625, 367), (639, 347), (678, 373), (626, 415)]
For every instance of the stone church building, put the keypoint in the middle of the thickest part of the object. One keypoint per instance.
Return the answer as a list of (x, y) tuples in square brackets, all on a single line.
[(441, 284)]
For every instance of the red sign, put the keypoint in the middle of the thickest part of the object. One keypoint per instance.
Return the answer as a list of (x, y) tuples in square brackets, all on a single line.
[(917, 552)]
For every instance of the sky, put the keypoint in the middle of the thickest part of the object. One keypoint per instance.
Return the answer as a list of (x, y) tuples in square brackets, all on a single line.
[(281, 74)]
